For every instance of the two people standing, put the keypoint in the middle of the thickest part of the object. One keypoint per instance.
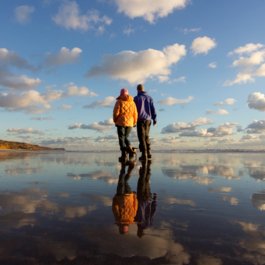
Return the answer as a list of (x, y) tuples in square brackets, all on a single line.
[(128, 113)]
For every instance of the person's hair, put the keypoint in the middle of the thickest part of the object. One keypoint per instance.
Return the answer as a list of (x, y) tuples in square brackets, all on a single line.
[(140, 87), (123, 229)]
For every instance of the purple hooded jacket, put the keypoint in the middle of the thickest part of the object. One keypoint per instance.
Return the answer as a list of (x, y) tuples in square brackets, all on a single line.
[(145, 106)]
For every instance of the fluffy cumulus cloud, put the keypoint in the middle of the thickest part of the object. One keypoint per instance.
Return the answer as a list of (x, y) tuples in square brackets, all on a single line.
[(241, 78), (105, 103), (250, 63), (185, 126), (23, 13), (30, 101), (13, 81), (65, 56), (170, 101), (69, 16), (11, 59), (202, 45), (191, 129), (256, 127), (136, 67), (222, 130), (96, 126), (74, 90), (149, 10), (256, 101)]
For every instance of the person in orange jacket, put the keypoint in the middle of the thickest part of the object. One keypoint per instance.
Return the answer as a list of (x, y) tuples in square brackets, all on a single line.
[(125, 117), (124, 203)]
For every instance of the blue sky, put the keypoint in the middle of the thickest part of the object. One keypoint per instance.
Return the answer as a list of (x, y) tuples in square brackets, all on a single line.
[(63, 63)]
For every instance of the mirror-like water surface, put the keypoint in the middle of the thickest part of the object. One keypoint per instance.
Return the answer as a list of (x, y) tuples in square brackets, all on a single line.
[(87, 208)]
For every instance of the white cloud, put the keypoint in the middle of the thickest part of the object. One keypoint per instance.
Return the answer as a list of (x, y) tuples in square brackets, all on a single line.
[(256, 100), (18, 81), (73, 90), (195, 133), (212, 65), (24, 131), (241, 78), (8, 60), (33, 101), (256, 127), (184, 129), (23, 13), (184, 126), (202, 45), (65, 56), (261, 71), (136, 67), (170, 101), (30, 101), (69, 17), (227, 101), (248, 48), (191, 30), (218, 112), (255, 58), (105, 103), (11, 59), (222, 130), (249, 62), (52, 95), (149, 10), (97, 126)]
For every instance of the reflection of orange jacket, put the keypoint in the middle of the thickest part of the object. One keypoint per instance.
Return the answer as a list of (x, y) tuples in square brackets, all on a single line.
[(124, 208), (125, 112)]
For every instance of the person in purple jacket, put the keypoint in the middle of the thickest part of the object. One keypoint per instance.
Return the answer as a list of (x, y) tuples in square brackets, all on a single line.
[(147, 201), (146, 113)]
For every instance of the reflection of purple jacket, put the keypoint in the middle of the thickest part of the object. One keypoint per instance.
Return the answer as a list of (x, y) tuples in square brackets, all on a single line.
[(146, 211), (145, 106)]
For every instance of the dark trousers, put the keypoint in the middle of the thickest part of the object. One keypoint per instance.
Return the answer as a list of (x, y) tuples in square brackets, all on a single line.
[(123, 134), (143, 129), (123, 185)]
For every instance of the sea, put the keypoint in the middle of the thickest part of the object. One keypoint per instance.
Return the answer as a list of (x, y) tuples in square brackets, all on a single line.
[(188, 208)]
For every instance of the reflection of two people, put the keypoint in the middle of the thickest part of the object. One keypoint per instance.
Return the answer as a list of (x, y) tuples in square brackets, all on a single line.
[(130, 207)]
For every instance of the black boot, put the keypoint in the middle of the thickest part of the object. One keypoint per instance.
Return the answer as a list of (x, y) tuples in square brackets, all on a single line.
[(123, 156), (131, 151), (143, 157), (149, 156)]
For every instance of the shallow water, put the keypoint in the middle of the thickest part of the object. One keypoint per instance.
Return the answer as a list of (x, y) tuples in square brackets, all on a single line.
[(56, 208)]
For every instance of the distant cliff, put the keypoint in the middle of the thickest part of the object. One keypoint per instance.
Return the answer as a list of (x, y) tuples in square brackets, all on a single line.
[(8, 145)]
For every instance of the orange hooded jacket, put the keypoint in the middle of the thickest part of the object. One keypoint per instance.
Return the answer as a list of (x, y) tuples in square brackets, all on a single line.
[(124, 208), (125, 111)]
